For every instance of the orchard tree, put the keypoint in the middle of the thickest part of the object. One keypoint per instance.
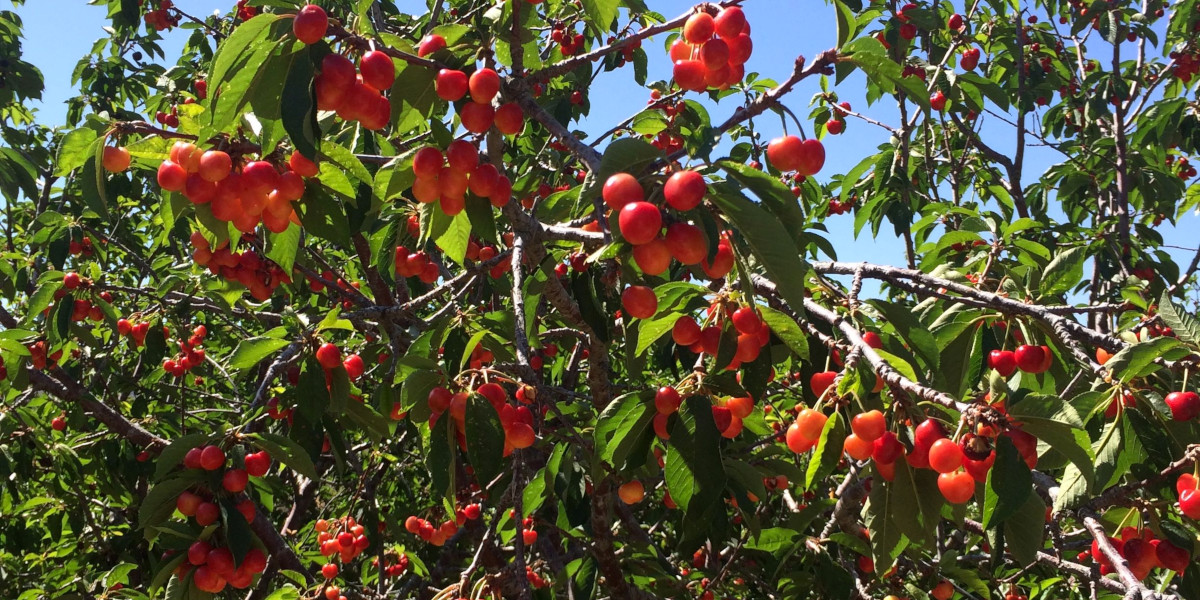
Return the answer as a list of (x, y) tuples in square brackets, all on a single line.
[(345, 303)]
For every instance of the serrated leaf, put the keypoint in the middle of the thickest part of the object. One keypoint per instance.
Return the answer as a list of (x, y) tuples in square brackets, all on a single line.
[(1185, 326), (771, 244), (786, 329)]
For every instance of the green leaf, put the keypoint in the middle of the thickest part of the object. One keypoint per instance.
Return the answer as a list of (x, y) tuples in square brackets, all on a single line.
[(346, 162), (455, 237), (776, 197), (908, 327), (1025, 530), (771, 245), (624, 155), (1185, 326), (1063, 272), (75, 150), (298, 104), (828, 452), (625, 424), (439, 457), (1138, 360), (786, 329), (887, 541), (286, 451), (282, 247), (250, 351), (695, 473), (159, 502), (1055, 422), (601, 12), (1009, 483), (485, 439)]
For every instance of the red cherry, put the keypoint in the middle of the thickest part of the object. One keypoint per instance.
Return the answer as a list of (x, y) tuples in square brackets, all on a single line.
[(928, 432), (820, 382), (957, 488), (378, 70), (887, 448), (745, 320), (640, 222), (354, 366), (234, 480), (1029, 358), (197, 553), (171, 176), (945, 456), (685, 332), (258, 463), (440, 399), (430, 44), (484, 85), (937, 101), (310, 24), (1184, 406), (207, 514), (510, 120), (211, 458), (699, 28), (451, 85), (654, 257), (639, 302), (955, 22), (690, 75), (684, 190), (869, 426), (686, 243), (1189, 503), (730, 22), (477, 118), (428, 162), (462, 156), (621, 189), (329, 570), (1003, 361), (666, 400), (329, 356)]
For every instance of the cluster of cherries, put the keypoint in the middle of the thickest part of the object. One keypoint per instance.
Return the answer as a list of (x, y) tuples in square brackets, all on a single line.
[(135, 331), (478, 115), (357, 95), (439, 534), (1184, 405), (81, 308), (416, 264), (391, 568), (344, 537), (1181, 166), (446, 178), (1027, 358), (641, 225), (668, 140), (161, 18), (713, 51), (517, 421), (213, 568), (244, 11), (569, 41), (39, 358), (1187, 63), (257, 274), (790, 153), (752, 333), (190, 354), (1142, 551)]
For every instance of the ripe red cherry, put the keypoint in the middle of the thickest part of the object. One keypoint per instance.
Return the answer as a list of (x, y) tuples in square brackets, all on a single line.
[(187, 502), (260, 177), (310, 24), (1003, 361), (428, 162), (690, 75), (207, 513), (820, 382), (715, 55), (928, 432), (653, 257), (937, 101), (639, 302), (354, 366), (957, 488), (858, 448), (730, 22), (510, 120), (945, 456), (955, 22), (440, 399), (796, 440), (666, 400), (684, 190), (640, 222), (887, 448), (621, 189), (171, 176), (211, 458), (908, 31), (484, 85), (1189, 503), (72, 280), (745, 320), (462, 156), (378, 70), (1184, 406), (1171, 556), (869, 425), (430, 44), (215, 165), (329, 570), (1029, 358), (699, 28), (686, 331), (258, 463), (970, 59), (329, 356), (234, 480), (451, 85), (58, 424), (197, 553), (477, 118), (835, 126), (686, 243), (785, 153)]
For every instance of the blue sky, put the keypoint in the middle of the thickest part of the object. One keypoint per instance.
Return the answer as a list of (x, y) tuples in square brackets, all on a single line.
[(59, 32)]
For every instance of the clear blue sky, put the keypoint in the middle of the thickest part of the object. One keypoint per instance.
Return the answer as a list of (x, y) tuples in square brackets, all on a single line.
[(59, 32)]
